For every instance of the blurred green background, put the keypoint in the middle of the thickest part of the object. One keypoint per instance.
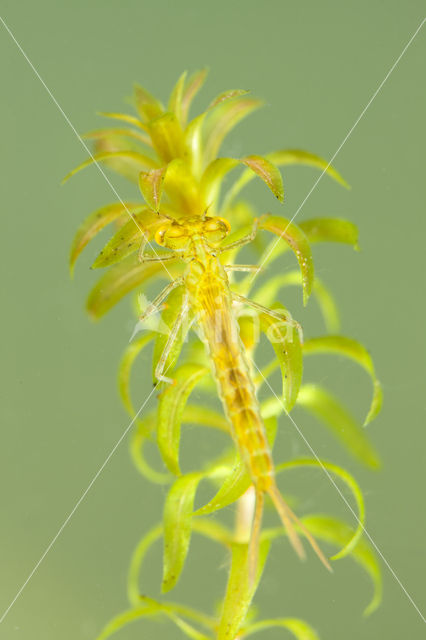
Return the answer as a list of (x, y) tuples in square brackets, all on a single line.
[(317, 65)]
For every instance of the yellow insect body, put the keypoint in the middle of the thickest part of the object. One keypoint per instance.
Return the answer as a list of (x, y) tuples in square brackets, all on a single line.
[(210, 299)]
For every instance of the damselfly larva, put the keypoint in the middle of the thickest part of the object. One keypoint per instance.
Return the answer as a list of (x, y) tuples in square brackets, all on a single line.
[(208, 298)]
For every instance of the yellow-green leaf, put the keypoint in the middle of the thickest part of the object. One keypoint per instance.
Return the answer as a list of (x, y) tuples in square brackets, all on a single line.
[(323, 405), (123, 619), (234, 486), (128, 238), (224, 117), (170, 412), (120, 133), (120, 279), (338, 533), (292, 235), (151, 186), (147, 106), (138, 159), (284, 337), (97, 221), (176, 97), (350, 482), (227, 95), (131, 352), (205, 416), (331, 230), (167, 137), (193, 86), (354, 350), (124, 117), (296, 156), (300, 629), (182, 188), (268, 172), (212, 178), (177, 527), (267, 295), (239, 591)]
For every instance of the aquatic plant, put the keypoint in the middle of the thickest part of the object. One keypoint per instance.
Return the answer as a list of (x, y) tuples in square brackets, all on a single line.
[(205, 329)]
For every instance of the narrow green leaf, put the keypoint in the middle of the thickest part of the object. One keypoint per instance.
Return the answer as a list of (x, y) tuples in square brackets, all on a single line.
[(182, 188), (193, 86), (131, 352), (300, 629), (97, 221), (227, 95), (167, 137), (331, 230), (177, 527), (293, 236), (234, 486), (123, 619), (176, 97), (239, 591), (151, 186), (123, 117), (283, 158), (120, 280), (205, 416), (350, 482), (138, 556), (268, 172), (140, 437), (129, 237), (120, 133), (212, 178), (341, 345), (296, 156), (148, 107), (285, 340), (323, 405), (338, 533), (140, 160), (170, 412), (268, 293), (224, 117)]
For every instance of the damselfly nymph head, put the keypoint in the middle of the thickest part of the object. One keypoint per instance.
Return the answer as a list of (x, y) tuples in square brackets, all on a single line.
[(178, 234)]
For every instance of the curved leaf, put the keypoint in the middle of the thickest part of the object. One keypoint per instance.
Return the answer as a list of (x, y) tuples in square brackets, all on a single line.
[(333, 414), (331, 230), (176, 97), (182, 188), (120, 280), (300, 629), (193, 86), (139, 438), (354, 350), (139, 159), (205, 416), (227, 95), (170, 412), (97, 221), (267, 296), (167, 137), (268, 172), (234, 486), (148, 107), (138, 556), (285, 340), (224, 117), (350, 482), (239, 591), (129, 237), (293, 236), (123, 117), (130, 354), (121, 133), (151, 186), (336, 532), (177, 527), (283, 158)]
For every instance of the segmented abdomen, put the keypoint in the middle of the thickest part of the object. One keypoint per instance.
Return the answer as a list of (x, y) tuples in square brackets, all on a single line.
[(213, 307)]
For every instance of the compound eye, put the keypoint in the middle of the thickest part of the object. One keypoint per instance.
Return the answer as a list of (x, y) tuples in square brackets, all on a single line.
[(216, 229)]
